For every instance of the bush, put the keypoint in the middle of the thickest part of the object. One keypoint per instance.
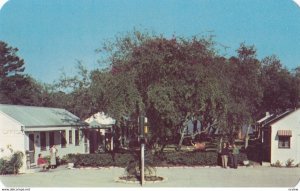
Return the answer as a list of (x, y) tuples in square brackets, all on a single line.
[(133, 167), (13, 165), (99, 160), (289, 163), (191, 158), (276, 164), (242, 157), (5, 167)]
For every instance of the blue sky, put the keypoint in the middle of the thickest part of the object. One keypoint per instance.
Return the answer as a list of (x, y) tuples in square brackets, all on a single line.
[(52, 34)]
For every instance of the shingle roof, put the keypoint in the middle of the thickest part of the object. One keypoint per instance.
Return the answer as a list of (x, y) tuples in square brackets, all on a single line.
[(31, 116)]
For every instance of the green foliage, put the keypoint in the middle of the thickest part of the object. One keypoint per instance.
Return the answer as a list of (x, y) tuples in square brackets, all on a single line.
[(5, 167), (289, 163), (10, 63), (167, 79), (281, 88), (242, 157), (133, 167), (192, 158), (103, 159), (13, 165), (15, 87), (131, 161), (277, 164)]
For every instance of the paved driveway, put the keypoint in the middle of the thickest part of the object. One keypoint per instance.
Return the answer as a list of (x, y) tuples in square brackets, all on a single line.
[(176, 177)]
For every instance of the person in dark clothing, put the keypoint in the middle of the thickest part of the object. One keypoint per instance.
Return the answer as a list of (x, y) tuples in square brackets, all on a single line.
[(235, 153), (224, 155), (230, 156)]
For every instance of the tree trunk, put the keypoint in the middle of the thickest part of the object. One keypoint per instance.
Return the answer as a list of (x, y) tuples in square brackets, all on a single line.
[(247, 137)]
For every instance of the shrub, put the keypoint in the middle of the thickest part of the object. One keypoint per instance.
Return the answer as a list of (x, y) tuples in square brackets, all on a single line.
[(242, 157), (191, 158), (289, 163), (276, 164), (133, 167), (5, 168), (13, 165), (101, 159)]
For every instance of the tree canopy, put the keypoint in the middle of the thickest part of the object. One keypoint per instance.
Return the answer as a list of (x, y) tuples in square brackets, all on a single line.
[(167, 79)]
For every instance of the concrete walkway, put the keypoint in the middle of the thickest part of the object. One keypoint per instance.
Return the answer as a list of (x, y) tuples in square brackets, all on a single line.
[(176, 177)]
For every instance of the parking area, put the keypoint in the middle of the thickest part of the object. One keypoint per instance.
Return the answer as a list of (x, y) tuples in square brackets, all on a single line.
[(176, 177)]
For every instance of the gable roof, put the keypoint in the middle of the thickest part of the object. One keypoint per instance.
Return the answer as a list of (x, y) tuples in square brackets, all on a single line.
[(100, 119), (31, 116), (278, 117)]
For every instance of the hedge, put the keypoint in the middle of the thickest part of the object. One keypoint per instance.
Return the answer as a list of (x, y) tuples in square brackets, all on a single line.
[(99, 160), (163, 159)]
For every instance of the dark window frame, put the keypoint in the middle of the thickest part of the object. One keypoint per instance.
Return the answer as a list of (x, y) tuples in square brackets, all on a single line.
[(284, 142)]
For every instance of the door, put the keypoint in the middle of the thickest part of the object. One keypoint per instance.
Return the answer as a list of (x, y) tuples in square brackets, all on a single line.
[(51, 138), (92, 141), (266, 145), (86, 144), (31, 148)]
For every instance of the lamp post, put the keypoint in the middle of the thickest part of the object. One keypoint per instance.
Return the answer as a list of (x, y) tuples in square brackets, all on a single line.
[(143, 129)]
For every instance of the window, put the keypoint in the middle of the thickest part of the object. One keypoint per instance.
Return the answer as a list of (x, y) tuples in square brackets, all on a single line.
[(51, 138), (43, 141), (284, 142), (70, 137), (63, 139), (76, 137)]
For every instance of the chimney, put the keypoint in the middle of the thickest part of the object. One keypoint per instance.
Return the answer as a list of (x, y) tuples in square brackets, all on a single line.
[(267, 114)]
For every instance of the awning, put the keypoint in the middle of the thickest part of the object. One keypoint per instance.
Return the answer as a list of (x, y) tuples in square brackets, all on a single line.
[(286, 133)]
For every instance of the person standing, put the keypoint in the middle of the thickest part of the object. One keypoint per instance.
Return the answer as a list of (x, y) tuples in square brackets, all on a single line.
[(235, 153), (224, 155), (53, 152), (230, 155)]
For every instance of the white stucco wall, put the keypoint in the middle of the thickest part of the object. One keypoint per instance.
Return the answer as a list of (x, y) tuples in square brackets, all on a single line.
[(11, 134), (290, 122)]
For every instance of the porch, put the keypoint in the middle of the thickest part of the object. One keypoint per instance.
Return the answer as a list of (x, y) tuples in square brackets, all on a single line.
[(67, 140)]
